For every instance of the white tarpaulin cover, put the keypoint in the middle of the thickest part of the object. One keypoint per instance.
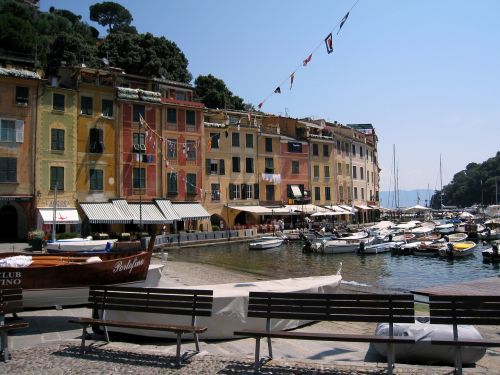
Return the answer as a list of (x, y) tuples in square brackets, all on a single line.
[(230, 303), (423, 351)]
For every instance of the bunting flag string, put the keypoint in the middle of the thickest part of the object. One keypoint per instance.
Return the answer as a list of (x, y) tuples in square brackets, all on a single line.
[(329, 48)]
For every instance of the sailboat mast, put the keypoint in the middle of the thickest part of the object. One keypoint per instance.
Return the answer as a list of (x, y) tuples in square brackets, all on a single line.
[(441, 181), (395, 181)]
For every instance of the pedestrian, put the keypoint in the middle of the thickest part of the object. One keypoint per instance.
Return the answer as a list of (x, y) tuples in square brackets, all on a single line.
[(281, 225)]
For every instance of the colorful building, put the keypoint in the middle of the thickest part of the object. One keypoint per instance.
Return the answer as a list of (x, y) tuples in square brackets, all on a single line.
[(19, 90)]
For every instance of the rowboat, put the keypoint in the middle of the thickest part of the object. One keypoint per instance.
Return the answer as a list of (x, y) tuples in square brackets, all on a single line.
[(229, 309), (59, 280), (265, 243), (457, 249), (79, 245)]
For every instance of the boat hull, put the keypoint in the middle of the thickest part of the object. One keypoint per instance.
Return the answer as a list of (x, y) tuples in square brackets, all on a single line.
[(54, 272), (78, 246), (267, 244), (229, 311)]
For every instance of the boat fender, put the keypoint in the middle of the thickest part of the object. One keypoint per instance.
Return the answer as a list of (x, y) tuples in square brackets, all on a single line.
[(93, 260)]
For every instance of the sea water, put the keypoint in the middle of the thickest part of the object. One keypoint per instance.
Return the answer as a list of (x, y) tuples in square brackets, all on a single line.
[(398, 272)]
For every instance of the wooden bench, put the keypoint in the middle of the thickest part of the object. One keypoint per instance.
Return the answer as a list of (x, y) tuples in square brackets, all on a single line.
[(375, 308), (458, 310), (171, 302), (11, 302)]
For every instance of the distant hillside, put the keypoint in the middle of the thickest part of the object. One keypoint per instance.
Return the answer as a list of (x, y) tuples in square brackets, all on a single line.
[(407, 198)]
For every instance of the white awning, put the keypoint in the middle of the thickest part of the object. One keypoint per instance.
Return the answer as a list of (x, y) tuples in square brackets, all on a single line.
[(63, 215), (167, 209), (105, 213), (348, 208), (306, 208), (259, 210), (363, 207), (335, 208), (296, 191), (191, 211), (147, 213)]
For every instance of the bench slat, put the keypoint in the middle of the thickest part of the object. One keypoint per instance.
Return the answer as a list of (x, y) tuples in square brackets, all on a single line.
[(137, 325), (330, 310), (94, 296), (345, 318), (154, 310), (12, 326), (327, 302), (325, 336), (152, 290), (334, 296), (159, 304)]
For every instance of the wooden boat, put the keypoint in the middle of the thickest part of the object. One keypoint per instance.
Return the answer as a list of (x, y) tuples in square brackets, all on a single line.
[(457, 249), (428, 249), (58, 280), (455, 237), (265, 243), (229, 309), (79, 245)]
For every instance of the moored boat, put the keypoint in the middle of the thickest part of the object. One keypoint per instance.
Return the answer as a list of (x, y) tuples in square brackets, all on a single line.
[(79, 245), (265, 243), (230, 304), (344, 246), (51, 280), (383, 247), (491, 254), (457, 249)]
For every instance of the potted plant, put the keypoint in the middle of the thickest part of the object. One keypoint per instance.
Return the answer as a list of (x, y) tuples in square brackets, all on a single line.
[(36, 238)]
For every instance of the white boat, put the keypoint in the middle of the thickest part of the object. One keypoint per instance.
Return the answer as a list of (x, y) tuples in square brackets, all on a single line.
[(383, 247), (355, 236), (344, 246), (457, 249), (489, 234), (445, 228), (472, 229), (491, 254), (79, 245), (455, 237), (426, 229), (230, 304), (266, 243)]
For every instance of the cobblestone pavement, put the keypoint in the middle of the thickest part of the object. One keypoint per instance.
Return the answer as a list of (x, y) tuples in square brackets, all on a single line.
[(64, 358)]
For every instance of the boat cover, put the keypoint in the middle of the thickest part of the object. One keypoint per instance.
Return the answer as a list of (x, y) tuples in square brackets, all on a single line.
[(230, 305), (422, 351)]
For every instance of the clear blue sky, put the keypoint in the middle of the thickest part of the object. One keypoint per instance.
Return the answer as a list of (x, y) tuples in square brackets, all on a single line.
[(425, 73)]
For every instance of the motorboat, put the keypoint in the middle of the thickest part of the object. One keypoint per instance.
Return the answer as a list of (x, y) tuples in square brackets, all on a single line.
[(471, 229), (354, 236), (445, 228), (266, 242), (229, 309), (378, 248), (457, 249), (79, 244), (455, 237), (344, 246), (424, 230), (491, 254), (59, 280), (428, 248)]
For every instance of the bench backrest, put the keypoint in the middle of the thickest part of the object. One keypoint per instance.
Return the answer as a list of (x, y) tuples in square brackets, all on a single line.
[(389, 308), (480, 310), (152, 300), (11, 301)]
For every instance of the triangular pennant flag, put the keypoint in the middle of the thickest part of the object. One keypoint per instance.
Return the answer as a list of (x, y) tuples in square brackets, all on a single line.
[(329, 43), (292, 76), (260, 105), (306, 61), (342, 22), (277, 90)]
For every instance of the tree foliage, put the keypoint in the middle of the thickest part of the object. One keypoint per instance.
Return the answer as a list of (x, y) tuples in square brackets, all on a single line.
[(474, 185), (214, 93), (110, 14)]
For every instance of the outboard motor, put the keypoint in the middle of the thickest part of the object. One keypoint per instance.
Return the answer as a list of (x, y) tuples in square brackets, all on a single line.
[(390, 237), (446, 238), (494, 248), (361, 248), (449, 249)]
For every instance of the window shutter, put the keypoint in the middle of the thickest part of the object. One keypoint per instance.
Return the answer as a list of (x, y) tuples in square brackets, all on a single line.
[(231, 192), (20, 131), (243, 191), (221, 166), (256, 191), (208, 166)]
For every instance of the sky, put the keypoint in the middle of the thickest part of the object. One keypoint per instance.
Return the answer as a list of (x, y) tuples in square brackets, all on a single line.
[(425, 73)]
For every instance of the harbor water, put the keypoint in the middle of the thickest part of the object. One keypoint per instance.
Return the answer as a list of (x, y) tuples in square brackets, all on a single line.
[(385, 271)]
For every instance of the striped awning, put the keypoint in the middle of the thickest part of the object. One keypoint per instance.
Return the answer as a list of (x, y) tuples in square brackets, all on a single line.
[(105, 213), (306, 208), (191, 211), (63, 215), (363, 207), (147, 213), (348, 208), (167, 209)]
